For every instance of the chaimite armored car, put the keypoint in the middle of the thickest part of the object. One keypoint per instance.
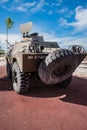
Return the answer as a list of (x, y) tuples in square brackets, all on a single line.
[(35, 58)]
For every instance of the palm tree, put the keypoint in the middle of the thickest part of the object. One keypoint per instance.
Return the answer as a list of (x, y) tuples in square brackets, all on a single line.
[(9, 24)]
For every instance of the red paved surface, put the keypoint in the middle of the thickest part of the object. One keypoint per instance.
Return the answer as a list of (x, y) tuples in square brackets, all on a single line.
[(44, 108)]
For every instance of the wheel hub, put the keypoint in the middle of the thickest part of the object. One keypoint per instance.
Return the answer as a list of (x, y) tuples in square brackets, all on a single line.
[(61, 70)]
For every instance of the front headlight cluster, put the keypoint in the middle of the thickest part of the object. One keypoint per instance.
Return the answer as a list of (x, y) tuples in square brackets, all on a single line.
[(31, 48), (36, 48)]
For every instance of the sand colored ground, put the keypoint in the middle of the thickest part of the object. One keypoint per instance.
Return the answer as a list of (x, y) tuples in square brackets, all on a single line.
[(2, 61)]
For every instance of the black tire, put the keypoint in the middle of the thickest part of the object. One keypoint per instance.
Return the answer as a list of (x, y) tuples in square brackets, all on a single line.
[(20, 80), (65, 83), (9, 71), (58, 66)]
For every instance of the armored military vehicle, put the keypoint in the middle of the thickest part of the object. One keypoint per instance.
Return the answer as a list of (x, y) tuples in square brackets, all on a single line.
[(33, 57)]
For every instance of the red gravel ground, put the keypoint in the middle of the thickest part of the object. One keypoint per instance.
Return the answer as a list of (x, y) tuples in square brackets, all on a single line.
[(43, 108)]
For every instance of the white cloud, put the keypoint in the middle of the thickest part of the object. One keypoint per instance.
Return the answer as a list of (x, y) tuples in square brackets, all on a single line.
[(80, 23), (50, 12), (20, 8), (38, 6), (24, 6), (69, 14), (64, 42), (81, 19), (12, 39), (60, 1), (62, 21), (55, 4), (62, 10), (3, 1)]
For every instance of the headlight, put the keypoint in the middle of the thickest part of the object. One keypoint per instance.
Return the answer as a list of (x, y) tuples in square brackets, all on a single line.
[(31, 48)]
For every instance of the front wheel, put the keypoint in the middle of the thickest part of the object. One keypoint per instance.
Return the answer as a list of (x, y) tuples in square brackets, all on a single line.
[(20, 80), (58, 66)]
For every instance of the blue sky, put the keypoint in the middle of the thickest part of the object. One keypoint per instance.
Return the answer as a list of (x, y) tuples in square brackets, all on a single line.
[(64, 21)]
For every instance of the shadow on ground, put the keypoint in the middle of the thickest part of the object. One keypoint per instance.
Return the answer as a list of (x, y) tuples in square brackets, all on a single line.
[(76, 92), (5, 84)]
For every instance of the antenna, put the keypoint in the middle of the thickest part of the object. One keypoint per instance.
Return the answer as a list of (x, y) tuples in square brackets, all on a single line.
[(25, 28)]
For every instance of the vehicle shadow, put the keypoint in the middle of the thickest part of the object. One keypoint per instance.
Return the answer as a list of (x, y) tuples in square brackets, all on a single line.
[(5, 84), (75, 93)]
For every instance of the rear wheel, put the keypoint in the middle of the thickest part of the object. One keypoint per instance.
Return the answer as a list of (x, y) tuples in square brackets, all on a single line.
[(20, 80)]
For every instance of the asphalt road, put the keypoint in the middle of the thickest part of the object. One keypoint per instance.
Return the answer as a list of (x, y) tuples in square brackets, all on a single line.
[(43, 108)]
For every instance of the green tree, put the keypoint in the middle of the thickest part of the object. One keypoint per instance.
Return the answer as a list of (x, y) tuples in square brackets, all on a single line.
[(9, 24)]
